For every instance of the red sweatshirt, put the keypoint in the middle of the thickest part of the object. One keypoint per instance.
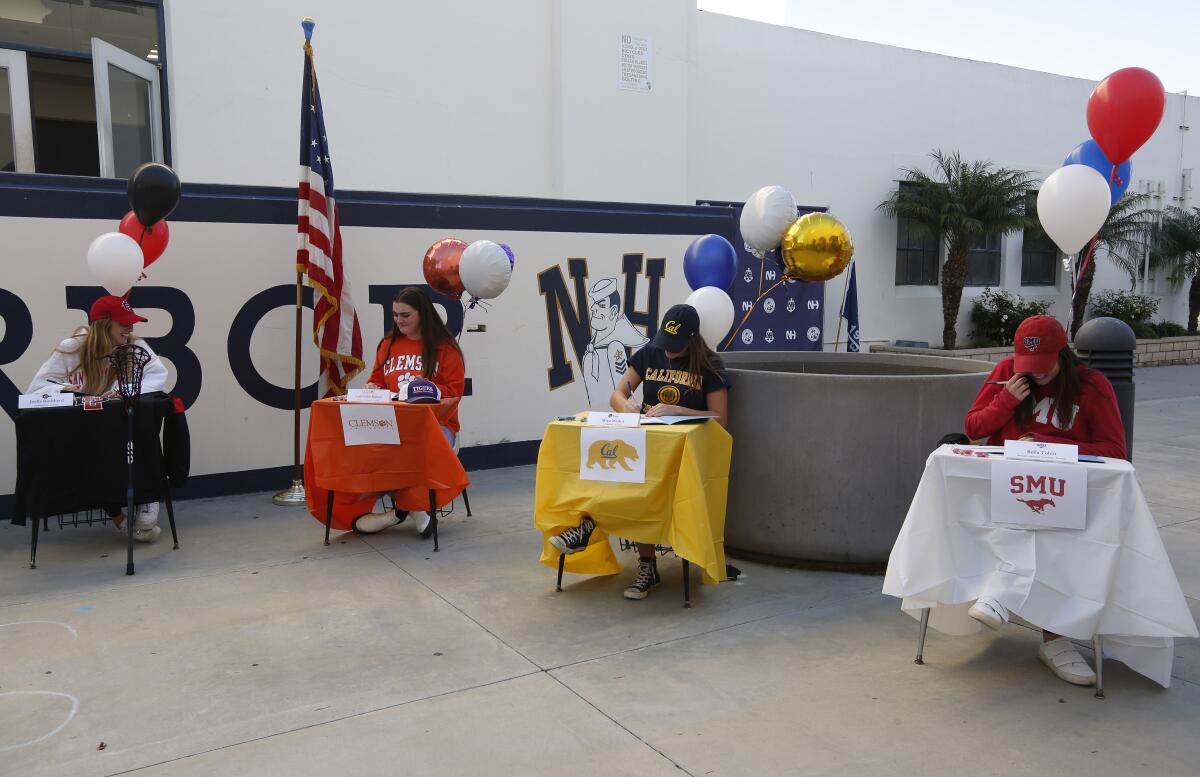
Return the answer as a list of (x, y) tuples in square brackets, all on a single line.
[(400, 359), (1096, 427)]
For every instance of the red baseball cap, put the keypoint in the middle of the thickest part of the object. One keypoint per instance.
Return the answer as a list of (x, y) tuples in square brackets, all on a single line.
[(116, 308), (1037, 343)]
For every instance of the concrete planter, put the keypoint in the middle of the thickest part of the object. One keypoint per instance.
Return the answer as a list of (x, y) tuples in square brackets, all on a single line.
[(828, 448), (1148, 353)]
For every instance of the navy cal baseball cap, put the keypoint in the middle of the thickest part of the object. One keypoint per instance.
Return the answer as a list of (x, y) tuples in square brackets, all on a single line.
[(423, 392), (678, 325)]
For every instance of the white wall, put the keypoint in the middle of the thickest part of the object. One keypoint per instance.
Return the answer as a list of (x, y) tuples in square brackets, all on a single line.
[(833, 120), (521, 98)]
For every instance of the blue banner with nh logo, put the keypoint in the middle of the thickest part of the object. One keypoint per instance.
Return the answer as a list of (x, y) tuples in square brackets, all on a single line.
[(789, 318)]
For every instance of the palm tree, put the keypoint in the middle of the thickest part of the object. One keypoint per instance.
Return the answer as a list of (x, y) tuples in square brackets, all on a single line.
[(1177, 249), (1123, 237), (960, 203)]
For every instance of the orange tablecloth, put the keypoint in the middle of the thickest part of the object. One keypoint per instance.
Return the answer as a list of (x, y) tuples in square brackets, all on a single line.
[(422, 462)]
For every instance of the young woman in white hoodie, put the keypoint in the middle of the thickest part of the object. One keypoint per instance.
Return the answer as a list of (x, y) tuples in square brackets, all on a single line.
[(80, 364)]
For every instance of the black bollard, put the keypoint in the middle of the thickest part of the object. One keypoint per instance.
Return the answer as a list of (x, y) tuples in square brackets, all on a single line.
[(1107, 345)]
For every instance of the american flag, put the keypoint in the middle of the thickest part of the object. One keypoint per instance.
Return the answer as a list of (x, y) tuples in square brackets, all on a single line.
[(319, 253)]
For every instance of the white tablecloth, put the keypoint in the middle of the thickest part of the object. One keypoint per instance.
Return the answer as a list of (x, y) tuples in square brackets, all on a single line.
[(1113, 578)]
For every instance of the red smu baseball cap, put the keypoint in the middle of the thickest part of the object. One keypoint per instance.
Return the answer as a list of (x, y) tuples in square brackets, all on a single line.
[(1037, 343), (116, 308)]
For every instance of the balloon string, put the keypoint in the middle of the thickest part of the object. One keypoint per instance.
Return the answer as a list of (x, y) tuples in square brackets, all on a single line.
[(751, 310), (1083, 266)]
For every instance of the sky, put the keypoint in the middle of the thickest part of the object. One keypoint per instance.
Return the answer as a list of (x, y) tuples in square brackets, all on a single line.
[(1067, 37)]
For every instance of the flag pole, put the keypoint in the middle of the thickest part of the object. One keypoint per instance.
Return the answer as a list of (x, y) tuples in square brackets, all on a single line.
[(837, 340), (294, 496)]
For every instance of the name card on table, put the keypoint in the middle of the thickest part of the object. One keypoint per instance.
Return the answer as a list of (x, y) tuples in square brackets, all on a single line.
[(1041, 451), (613, 455), (1037, 495), (611, 420), (367, 425), (45, 399), (368, 395)]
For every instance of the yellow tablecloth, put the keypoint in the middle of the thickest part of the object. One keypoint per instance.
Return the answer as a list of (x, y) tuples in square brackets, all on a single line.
[(681, 504)]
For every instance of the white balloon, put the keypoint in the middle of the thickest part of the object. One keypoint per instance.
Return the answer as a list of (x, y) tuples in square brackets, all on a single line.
[(716, 313), (1072, 206), (117, 262), (484, 269), (766, 216)]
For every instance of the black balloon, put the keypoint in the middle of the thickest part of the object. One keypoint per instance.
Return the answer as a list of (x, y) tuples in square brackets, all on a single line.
[(153, 192)]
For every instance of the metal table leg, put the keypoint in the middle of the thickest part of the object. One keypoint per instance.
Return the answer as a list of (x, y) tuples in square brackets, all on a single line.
[(467, 502), (33, 543), (1098, 648), (687, 583), (433, 517), (562, 561), (170, 513), (920, 659), (328, 516)]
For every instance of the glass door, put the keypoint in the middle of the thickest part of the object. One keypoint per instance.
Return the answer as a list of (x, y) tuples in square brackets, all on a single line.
[(16, 128), (128, 110)]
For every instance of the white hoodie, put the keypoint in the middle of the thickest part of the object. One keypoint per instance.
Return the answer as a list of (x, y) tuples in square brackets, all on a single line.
[(63, 367)]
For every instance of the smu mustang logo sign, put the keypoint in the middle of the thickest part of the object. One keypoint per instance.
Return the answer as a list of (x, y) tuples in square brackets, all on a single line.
[(1031, 343), (1038, 495)]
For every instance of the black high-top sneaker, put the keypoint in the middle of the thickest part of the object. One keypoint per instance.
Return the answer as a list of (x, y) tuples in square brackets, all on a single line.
[(574, 539), (646, 579)]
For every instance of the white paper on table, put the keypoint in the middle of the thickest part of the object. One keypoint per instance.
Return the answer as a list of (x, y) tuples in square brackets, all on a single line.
[(1032, 450), (368, 395), (45, 399), (675, 419), (610, 420)]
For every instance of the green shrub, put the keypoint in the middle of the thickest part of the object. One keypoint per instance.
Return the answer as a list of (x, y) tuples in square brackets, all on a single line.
[(1170, 329), (1125, 305), (1144, 330), (996, 314)]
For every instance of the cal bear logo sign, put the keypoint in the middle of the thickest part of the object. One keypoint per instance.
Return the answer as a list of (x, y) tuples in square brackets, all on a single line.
[(614, 455)]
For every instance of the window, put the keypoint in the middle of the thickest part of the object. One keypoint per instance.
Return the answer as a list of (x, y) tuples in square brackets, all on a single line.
[(917, 255), (1039, 255), (983, 261), (80, 86)]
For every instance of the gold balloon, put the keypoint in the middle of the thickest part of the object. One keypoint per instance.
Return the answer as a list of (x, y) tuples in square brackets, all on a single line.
[(816, 247)]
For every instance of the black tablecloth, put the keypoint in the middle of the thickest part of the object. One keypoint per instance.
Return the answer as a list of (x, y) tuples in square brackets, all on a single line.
[(70, 459)]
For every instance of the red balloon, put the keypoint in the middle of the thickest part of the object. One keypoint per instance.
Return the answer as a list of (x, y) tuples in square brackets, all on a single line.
[(1124, 111), (441, 267), (153, 240)]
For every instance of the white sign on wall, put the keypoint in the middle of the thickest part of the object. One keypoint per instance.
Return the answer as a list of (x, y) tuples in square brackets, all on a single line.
[(633, 63), (369, 425), (1039, 495), (613, 455)]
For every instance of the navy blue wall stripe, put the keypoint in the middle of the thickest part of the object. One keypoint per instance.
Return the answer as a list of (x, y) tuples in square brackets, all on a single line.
[(53, 196)]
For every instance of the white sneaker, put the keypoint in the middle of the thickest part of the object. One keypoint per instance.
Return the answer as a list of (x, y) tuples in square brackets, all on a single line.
[(373, 523), (148, 534), (989, 612), (146, 516), (1064, 660), (425, 524)]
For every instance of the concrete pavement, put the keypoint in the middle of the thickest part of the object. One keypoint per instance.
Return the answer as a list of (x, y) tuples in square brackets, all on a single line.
[(256, 650)]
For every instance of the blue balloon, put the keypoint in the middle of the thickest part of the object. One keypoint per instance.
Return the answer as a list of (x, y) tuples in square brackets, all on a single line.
[(710, 261), (1088, 153)]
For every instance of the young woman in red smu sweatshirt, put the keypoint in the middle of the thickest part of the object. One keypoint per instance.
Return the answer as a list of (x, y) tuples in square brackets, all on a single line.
[(419, 346), (1048, 396)]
